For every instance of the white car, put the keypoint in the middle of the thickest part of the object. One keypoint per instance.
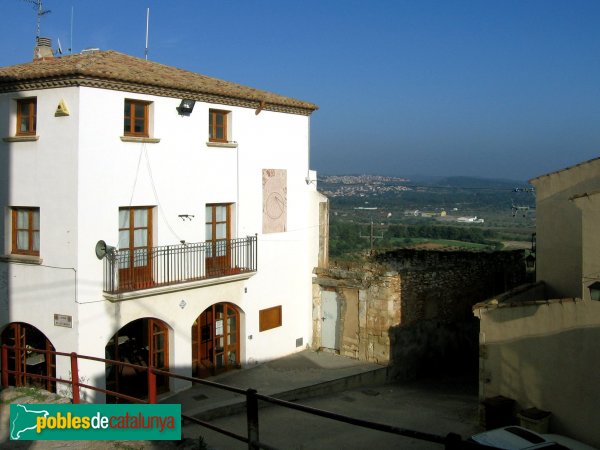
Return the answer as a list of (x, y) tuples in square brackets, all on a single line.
[(519, 438)]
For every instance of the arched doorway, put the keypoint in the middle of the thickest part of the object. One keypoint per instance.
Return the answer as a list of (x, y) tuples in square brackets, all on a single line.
[(25, 361), (216, 340), (144, 342)]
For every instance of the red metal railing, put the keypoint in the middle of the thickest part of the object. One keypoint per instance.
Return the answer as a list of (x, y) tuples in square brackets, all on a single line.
[(74, 382), (451, 442)]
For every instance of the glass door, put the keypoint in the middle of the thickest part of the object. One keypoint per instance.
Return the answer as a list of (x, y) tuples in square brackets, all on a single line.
[(218, 235), (219, 337), (135, 246), (27, 362), (159, 352), (202, 345), (217, 334), (232, 338)]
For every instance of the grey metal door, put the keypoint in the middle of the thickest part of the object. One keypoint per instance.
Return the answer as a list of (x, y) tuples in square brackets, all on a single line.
[(329, 325)]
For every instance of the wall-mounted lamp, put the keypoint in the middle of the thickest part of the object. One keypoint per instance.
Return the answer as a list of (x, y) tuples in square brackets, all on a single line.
[(186, 107), (594, 290), (530, 261)]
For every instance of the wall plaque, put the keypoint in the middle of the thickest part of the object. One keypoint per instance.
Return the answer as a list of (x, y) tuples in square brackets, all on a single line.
[(274, 183), (62, 320)]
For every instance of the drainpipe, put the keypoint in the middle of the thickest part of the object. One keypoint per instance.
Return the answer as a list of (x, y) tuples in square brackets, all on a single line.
[(237, 189)]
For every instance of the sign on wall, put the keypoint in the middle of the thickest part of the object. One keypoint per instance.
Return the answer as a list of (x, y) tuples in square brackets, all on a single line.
[(274, 200), (62, 320)]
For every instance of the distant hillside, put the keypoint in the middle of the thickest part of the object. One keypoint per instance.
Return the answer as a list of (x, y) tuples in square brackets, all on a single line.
[(480, 183), (436, 181)]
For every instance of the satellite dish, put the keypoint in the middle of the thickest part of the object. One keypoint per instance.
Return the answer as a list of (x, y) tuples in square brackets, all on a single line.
[(102, 249)]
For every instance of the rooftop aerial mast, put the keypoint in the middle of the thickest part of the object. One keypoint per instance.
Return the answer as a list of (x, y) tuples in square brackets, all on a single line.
[(40, 11)]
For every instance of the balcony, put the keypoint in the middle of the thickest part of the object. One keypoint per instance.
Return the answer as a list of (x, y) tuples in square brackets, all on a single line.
[(126, 271)]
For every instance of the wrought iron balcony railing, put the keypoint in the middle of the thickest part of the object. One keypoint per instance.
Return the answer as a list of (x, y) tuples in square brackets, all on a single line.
[(128, 270)]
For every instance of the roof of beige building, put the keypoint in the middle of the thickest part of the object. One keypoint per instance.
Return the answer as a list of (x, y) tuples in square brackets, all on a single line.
[(117, 71), (575, 166)]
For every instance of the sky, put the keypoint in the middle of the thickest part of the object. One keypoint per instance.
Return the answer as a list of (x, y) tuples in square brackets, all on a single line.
[(487, 88)]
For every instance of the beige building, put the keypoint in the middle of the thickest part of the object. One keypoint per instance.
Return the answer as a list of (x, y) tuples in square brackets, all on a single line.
[(539, 344)]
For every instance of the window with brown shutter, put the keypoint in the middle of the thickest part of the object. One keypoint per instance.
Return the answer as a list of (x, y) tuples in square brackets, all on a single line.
[(135, 118), (26, 116), (217, 125), (26, 231)]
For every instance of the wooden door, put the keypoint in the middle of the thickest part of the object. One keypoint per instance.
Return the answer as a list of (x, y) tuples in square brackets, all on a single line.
[(217, 334), (218, 235), (202, 334), (14, 335), (24, 361), (135, 248), (231, 353), (159, 351)]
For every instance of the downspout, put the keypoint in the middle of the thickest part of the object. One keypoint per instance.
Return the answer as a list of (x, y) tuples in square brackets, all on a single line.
[(308, 180), (237, 190)]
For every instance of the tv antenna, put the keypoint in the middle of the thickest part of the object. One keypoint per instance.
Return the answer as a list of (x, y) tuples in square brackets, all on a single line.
[(521, 209), (147, 27), (40, 11)]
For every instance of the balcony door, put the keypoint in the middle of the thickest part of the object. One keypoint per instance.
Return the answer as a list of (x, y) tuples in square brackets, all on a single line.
[(135, 245), (218, 235)]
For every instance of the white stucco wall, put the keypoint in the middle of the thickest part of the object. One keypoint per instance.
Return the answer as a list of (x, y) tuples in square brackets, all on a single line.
[(81, 172), (42, 174)]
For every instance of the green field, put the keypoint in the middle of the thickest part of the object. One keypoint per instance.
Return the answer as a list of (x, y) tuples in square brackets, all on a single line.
[(438, 243)]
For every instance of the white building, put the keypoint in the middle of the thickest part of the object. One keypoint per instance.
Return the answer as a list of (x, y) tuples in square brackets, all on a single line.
[(211, 207)]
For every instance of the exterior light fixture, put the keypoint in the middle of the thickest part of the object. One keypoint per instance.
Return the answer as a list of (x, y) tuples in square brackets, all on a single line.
[(186, 106), (530, 261), (594, 290)]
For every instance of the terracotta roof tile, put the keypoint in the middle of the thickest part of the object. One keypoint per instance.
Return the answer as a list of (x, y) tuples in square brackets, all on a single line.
[(110, 66)]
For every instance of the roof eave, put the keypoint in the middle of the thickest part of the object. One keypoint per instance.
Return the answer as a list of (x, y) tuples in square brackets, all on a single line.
[(80, 80)]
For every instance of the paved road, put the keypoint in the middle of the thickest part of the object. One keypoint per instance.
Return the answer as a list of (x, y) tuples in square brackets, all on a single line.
[(433, 407)]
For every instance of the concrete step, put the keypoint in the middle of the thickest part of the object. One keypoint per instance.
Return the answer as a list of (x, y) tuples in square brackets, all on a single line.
[(295, 377), (238, 405)]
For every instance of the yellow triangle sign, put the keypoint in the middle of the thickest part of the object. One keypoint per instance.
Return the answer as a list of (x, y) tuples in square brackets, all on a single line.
[(62, 109)]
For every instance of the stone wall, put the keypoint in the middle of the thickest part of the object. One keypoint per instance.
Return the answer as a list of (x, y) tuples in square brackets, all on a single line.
[(444, 285), (413, 308), (369, 305)]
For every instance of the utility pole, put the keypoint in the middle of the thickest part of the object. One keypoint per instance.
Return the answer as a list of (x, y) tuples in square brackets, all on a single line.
[(371, 237)]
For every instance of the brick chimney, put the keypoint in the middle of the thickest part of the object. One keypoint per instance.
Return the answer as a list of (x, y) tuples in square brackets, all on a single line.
[(43, 49)]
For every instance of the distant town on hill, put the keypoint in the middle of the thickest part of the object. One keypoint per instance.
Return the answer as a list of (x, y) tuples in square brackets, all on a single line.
[(459, 212)]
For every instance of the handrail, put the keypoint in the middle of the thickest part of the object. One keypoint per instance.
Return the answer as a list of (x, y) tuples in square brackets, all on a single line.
[(451, 441)]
